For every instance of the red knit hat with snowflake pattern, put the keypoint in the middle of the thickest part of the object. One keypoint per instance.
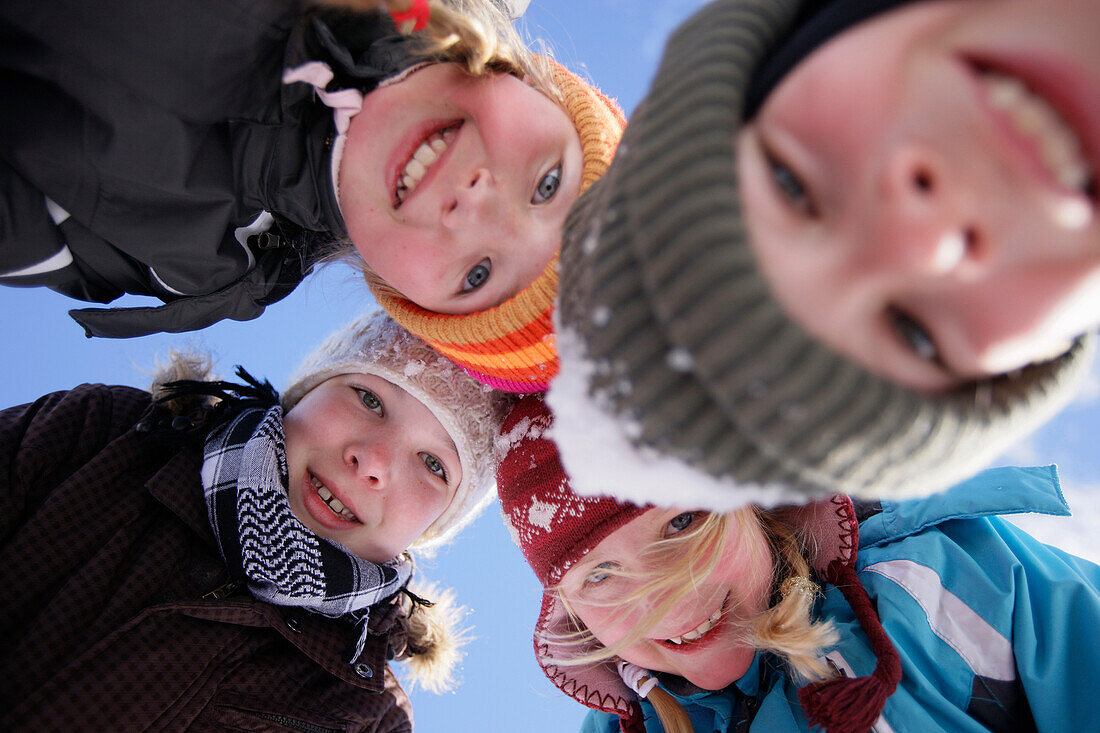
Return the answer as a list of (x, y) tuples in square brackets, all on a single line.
[(553, 527)]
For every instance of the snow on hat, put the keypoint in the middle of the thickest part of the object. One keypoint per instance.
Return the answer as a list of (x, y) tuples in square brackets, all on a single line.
[(555, 528), (469, 412), (551, 525), (511, 346), (669, 336)]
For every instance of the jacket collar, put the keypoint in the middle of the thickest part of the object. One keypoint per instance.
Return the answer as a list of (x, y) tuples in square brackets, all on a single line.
[(176, 486), (996, 491)]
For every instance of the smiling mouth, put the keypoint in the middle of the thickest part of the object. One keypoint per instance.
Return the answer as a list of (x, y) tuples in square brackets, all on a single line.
[(335, 505), (422, 159), (694, 635), (1034, 118)]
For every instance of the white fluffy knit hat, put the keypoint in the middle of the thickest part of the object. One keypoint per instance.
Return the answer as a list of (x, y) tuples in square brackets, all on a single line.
[(470, 412)]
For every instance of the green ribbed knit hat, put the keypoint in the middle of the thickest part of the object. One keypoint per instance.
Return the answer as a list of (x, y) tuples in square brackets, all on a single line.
[(674, 352)]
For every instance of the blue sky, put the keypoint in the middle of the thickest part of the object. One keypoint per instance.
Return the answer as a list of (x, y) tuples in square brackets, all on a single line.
[(616, 43)]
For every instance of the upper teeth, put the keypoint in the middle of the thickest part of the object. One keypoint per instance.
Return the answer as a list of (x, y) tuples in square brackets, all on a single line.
[(428, 152), (699, 630), (1034, 117), (333, 503)]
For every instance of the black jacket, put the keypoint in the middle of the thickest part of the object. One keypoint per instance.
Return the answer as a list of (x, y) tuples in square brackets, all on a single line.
[(117, 611), (138, 140)]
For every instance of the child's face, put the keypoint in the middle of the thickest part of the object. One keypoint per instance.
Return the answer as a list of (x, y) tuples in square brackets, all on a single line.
[(921, 191), (735, 591), (369, 445), (481, 218)]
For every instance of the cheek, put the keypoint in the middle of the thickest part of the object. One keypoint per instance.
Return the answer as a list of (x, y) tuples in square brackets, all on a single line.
[(406, 262), (372, 229), (606, 623), (300, 429), (421, 505), (746, 567)]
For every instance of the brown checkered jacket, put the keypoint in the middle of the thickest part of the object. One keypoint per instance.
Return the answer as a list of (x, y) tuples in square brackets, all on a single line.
[(117, 612)]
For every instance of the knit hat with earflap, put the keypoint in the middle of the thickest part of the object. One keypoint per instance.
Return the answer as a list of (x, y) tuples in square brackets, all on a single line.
[(511, 346), (674, 351), (469, 412), (555, 528)]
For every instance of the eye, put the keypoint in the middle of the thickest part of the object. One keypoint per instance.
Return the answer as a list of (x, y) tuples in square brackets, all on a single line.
[(434, 465), (680, 522), (600, 573), (789, 186), (548, 186), (477, 276), (914, 336), (370, 400)]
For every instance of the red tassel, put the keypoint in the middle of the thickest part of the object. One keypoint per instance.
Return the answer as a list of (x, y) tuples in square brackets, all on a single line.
[(852, 705)]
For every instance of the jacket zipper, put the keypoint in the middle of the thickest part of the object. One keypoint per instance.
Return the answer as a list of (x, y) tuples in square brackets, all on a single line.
[(295, 723)]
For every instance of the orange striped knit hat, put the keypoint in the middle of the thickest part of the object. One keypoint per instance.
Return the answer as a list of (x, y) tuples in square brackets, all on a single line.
[(511, 346)]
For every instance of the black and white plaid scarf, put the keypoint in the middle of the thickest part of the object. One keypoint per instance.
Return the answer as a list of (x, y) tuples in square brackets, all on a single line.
[(244, 478)]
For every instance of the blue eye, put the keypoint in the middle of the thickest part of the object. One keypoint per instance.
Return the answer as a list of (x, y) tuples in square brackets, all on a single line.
[(477, 276), (370, 400), (680, 522), (548, 186), (789, 186), (434, 465), (600, 573), (915, 336)]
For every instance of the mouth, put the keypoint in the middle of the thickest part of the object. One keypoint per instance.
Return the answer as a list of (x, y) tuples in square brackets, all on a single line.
[(700, 634), (425, 153), (329, 500), (1043, 121)]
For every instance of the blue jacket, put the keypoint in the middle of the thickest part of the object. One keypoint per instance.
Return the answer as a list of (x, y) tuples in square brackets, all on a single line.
[(996, 631)]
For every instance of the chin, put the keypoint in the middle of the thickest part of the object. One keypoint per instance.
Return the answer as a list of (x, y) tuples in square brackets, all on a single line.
[(722, 671), (713, 681)]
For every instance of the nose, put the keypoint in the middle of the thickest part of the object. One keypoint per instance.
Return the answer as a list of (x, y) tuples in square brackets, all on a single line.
[(477, 204), (371, 463), (928, 223)]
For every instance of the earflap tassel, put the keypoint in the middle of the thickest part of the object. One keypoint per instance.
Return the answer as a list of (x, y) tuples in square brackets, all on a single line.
[(846, 704)]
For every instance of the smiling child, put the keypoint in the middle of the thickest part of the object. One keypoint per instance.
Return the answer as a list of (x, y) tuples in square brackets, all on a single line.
[(265, 554), (846, 247)]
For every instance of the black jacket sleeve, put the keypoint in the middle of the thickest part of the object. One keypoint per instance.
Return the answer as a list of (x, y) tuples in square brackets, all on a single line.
[(34, 250)]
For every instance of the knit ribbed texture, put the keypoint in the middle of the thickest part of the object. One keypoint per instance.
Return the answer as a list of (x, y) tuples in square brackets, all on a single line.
[(470, 413), (511, 346), (683, 341)]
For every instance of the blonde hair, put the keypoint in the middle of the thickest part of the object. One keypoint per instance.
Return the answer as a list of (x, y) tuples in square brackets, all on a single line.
[(686, 559)]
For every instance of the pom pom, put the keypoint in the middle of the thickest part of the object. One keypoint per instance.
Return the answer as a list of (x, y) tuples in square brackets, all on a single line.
[(845, 705)]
